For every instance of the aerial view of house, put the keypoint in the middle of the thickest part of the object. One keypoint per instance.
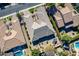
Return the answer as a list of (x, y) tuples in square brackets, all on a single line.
[(39, 29)]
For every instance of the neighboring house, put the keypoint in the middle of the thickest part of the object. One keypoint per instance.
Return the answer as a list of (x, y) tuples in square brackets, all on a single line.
[(39, 28), (66, 18), (12, 37)]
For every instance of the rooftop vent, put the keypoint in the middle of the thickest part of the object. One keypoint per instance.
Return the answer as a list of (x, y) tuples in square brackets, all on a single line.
[(36, 18), (9, 34)]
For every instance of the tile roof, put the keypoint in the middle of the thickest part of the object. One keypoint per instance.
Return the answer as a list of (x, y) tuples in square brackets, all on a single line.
[(66, 15), (17, 38)]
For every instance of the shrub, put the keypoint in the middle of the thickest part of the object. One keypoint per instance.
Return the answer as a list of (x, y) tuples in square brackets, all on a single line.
[(9, 18), (32, 10), (64, 53), (49, 5), (35, 52)]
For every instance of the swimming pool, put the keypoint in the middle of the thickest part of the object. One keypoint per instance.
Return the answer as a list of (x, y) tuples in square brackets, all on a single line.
[(19, 53), (76, 45)]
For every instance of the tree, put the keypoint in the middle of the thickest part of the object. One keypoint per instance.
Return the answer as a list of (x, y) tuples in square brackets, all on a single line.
[(49, 5), (9, 18), (32, 10), (18, 15), (66, 38), (4, 20), (35, 52)]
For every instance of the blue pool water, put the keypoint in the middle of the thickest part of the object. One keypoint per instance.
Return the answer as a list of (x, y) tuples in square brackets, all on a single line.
[(19, 53), (77, 45)]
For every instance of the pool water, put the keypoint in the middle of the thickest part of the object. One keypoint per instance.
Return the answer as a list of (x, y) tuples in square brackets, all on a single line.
[(19, 53), (19, 50), (77, 45)]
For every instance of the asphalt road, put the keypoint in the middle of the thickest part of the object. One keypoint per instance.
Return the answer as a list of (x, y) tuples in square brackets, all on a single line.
[(16, 8)]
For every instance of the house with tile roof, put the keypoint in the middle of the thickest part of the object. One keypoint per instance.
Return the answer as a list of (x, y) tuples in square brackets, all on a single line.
[(66, 17), (12, 37), (39, 28)]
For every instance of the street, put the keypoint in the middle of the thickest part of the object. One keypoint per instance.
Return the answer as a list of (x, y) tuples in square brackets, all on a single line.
[(16, 8)]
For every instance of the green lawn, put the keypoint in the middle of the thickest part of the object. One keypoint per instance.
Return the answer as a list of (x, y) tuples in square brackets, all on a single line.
[(66, 37)]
